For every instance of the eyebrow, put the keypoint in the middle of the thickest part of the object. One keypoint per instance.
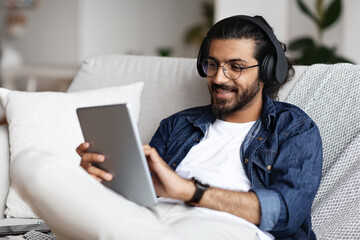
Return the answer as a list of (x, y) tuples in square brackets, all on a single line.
[(230, 60)]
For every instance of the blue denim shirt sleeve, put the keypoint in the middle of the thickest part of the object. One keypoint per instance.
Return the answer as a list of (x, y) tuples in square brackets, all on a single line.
[(160, 137), (295, 177), (270, 205)]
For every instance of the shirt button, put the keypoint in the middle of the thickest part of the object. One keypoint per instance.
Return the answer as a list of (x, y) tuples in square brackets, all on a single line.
[(269, 167), (246, 160), (174, 164), (197, 140), (259, 138)]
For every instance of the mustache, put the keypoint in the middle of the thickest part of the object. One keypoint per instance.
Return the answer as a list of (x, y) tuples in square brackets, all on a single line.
[(224, 87)]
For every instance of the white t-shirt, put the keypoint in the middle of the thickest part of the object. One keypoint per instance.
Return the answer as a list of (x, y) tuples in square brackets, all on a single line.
[(216, 159)]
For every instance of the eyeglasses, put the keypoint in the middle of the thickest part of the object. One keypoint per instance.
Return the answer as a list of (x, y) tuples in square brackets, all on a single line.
[(231, 70)]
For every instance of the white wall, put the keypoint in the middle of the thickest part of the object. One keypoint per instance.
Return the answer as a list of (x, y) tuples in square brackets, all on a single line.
[(274, 11), (290, 23), (51, 34), (67, 31), (350, 45), (137, 26)]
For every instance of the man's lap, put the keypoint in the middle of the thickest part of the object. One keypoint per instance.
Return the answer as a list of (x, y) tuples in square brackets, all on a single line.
[(75, 206)]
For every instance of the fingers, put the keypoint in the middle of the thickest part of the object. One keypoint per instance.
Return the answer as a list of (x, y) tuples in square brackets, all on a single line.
[(93, 157), (155, 162), (99, 174), (82, 148), (150, 152), (88, 158)]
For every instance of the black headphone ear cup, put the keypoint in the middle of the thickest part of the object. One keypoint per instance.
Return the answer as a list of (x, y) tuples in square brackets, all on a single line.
[(267, 69), (203, 53)]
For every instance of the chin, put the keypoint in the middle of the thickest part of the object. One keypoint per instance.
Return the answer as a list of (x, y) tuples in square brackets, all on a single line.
[(223, 109)]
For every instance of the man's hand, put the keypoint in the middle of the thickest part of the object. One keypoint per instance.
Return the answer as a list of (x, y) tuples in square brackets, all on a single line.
[(88, 158), (166, 182)]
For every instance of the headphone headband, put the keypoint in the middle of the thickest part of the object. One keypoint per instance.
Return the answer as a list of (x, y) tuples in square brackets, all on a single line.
[(273, 68)]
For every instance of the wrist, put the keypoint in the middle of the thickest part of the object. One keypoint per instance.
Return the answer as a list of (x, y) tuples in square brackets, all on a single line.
[(200, 189), (189, 191)]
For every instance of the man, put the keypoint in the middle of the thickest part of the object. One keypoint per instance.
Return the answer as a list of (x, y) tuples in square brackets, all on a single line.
[(246, 155)]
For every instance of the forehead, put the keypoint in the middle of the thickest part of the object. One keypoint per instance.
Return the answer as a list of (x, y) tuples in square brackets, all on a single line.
[(227, 49)]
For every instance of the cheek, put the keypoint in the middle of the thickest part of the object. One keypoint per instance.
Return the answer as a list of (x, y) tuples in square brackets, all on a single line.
[(247, 78)]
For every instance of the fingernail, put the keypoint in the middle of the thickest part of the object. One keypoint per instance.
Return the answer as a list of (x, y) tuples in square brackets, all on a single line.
[(108, 176), (101, 158)]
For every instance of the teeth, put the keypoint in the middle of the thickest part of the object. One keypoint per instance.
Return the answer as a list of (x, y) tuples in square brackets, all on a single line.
[(222, 91)]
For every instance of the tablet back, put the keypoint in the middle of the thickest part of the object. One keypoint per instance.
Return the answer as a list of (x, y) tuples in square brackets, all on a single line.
[(112, 131)]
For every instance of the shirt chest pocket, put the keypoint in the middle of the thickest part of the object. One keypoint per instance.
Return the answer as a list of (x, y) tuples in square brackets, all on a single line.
[(263, 161)]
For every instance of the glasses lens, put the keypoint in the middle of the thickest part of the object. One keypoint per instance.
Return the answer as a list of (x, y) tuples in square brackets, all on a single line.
[(232, 70), (210, 67)]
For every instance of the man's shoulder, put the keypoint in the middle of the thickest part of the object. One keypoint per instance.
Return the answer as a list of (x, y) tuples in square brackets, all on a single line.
[(284, 108), (290, 118)]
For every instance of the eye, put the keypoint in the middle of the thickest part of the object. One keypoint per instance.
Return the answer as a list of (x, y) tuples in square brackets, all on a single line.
[(212, 65), (235, 67)]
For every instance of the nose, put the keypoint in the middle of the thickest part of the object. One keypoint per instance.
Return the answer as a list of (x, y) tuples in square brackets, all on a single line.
[(220, 77)]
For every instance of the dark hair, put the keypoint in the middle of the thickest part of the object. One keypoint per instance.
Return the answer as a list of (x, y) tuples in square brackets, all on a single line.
[(235, 28)]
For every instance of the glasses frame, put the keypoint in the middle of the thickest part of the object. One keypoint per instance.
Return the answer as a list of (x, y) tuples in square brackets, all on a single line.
[(224, 69)]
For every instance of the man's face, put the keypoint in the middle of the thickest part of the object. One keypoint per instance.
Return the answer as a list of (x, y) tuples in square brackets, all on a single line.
[(229, 96)]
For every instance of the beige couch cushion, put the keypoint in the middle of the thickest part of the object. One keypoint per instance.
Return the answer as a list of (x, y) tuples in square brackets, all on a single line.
[(171, 84)]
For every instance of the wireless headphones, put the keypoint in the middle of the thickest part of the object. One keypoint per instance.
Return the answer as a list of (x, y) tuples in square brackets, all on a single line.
[(273, 68)]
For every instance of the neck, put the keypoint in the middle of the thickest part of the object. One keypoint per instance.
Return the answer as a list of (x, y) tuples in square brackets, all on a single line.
[(250, 112)]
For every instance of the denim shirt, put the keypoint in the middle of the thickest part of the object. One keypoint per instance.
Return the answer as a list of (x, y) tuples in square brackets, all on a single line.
[(281, 155)]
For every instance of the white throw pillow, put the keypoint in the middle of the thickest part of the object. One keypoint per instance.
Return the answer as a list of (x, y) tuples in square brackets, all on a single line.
[(48, 121), (4, 167)]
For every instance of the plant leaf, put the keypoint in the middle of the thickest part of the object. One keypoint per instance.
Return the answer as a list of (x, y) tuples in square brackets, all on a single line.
[(319, 54), (208, 12), (195, 34), (307, 11), (301, 43), (332, 13), (340, 59), (320, 9)]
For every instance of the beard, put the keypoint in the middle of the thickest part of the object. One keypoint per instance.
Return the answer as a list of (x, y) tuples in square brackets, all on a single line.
[(222, 108)]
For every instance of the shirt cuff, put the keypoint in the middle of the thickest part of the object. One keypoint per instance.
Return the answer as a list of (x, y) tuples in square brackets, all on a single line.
[(270, 207)]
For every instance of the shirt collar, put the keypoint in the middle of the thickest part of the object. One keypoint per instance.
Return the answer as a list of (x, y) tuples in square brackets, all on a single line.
[(268, 114), (204, 120)]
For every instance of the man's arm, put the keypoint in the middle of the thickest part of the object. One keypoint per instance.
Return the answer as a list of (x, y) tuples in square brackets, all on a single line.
[(168, 184), (242, 204)]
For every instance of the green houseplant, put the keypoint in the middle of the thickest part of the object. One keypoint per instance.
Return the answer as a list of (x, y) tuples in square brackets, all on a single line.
[(196, 33), (309, 51)]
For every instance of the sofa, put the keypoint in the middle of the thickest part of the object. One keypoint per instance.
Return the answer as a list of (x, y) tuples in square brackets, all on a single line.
[(158, 87)]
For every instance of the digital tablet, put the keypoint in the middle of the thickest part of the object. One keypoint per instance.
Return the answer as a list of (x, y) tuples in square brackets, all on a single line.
[(112, 131)]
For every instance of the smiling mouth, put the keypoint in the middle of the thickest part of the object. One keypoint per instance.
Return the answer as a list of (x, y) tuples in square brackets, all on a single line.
[(222, 91)]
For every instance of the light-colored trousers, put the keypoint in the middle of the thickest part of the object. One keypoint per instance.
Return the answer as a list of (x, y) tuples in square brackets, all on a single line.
[(75, 206)]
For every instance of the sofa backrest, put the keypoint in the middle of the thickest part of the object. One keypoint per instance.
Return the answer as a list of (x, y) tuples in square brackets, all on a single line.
[(171, 84)]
